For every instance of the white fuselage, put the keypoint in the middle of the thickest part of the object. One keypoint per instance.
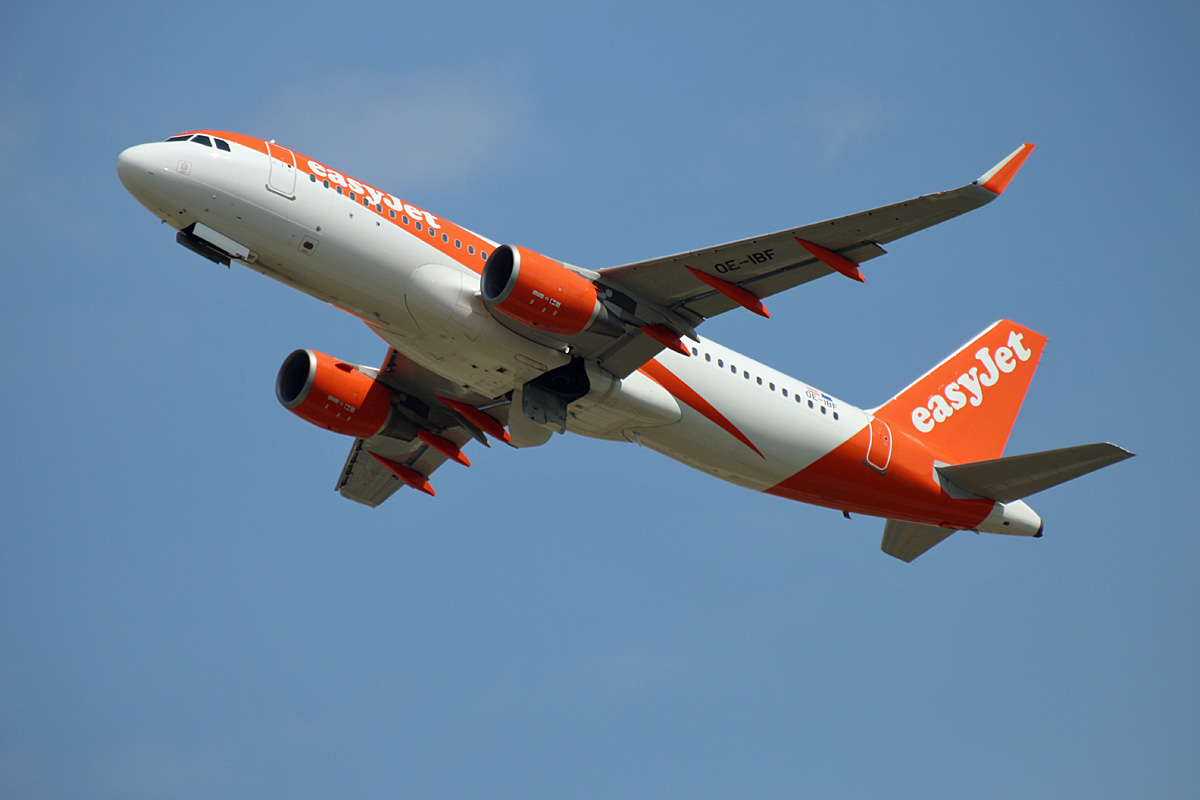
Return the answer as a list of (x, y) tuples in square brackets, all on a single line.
[(414, 278), (425, 302)]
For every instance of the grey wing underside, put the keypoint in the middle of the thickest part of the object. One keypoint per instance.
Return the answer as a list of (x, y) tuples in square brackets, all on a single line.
[(363, 479), (768, 264), (857, 237)]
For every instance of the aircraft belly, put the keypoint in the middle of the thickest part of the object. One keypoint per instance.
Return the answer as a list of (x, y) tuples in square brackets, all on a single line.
[(740, 430), (471, 349), (619, 408), (779, 451)]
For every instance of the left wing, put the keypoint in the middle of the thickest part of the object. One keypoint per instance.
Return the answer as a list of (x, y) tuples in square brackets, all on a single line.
[(680, 291), (365, 480), (376, 467)]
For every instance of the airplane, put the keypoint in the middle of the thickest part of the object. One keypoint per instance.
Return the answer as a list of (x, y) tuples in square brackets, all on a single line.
[(490, 340)]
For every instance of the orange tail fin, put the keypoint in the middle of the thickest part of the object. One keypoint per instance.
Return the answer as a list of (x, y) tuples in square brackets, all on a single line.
[(964, 408)]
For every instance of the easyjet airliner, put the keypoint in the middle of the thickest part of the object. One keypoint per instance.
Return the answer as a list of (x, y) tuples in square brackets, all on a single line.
[(496, 340)]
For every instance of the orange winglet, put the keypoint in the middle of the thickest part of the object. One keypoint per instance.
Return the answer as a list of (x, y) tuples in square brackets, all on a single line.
[(485, 422), (996, 179), (835, 262), (735, 293), (410, 476), (444, 446), (666, 337)]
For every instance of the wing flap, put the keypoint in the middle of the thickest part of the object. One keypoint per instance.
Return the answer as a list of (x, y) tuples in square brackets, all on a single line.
[(364, 480)]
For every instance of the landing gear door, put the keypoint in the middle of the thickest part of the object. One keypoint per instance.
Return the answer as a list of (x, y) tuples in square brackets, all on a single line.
[(282, 178), (879, 449)]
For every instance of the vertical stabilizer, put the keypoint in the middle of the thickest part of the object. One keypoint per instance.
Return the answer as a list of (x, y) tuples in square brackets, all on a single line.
[(964, 408)]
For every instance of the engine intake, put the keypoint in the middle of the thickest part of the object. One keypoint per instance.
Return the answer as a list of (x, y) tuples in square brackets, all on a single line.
[(334, 395), (538, 292)]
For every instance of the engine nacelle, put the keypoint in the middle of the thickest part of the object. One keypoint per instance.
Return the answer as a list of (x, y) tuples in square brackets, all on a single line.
[(540, 293), (332, 394)]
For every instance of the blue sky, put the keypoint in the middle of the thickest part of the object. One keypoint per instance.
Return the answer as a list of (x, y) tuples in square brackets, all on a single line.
[(189, 610)]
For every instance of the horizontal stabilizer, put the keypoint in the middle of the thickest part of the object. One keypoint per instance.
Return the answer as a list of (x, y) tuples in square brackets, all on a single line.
[(907, 540), (1013, 477)]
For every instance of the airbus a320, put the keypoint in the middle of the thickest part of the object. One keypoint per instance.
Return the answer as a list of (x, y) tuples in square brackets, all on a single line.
[(489, 340)]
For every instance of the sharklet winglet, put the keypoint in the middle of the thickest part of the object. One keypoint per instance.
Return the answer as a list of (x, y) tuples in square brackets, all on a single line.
[(996, 179)]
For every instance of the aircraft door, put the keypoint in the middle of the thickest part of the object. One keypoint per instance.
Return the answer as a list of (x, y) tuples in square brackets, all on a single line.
[(879, 448), (282, 176)]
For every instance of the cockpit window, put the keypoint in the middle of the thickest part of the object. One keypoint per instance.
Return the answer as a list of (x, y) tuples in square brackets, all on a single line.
[(200, 138)]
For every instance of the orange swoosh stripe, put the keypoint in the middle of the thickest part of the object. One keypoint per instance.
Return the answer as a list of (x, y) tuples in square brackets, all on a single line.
[(675, 385)]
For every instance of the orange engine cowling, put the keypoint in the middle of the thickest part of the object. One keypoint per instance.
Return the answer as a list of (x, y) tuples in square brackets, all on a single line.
[(541, 293), (332, 394)]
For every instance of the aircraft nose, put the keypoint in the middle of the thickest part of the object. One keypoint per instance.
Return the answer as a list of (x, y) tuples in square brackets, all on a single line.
[(136, 167)]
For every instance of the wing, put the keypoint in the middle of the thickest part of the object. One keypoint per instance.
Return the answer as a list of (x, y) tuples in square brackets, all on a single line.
[(680, 291), (378, 466), (366, 480)]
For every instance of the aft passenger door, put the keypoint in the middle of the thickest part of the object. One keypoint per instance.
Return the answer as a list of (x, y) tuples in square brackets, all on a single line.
[(879, 448)]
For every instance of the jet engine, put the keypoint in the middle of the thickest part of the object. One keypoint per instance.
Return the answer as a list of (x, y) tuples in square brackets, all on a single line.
[(519, 285), (335, 395)]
